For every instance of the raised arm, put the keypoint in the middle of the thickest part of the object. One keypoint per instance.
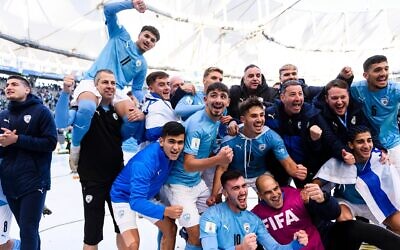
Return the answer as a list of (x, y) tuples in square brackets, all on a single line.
[(111, 10)]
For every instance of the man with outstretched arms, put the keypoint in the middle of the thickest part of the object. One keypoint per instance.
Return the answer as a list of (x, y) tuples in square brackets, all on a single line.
[(184, 185), (125, 58), (134, 189)]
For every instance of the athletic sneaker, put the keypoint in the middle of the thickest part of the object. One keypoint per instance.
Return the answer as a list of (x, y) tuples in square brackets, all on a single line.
[(74, 158)]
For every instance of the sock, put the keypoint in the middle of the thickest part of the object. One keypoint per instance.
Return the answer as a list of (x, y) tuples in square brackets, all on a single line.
[(83, 118), (159, 236), (192, 247)]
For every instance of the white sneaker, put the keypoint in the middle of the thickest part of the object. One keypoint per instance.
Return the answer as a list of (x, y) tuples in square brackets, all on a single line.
[(74, 158)]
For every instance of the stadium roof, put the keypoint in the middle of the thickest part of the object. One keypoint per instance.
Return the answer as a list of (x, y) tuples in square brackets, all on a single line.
[(319, 36)]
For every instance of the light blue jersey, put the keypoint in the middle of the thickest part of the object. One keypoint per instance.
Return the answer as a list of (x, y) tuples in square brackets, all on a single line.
[(221, 228), (189, 104), (249, 153), (120, 55), (381, 108), (200, 141)]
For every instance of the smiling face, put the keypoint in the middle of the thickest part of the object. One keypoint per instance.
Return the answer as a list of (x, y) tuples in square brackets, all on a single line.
[(337, 100), (288, 73), (292, 99), (212, 76), (253, 121), (362, 146), (235, 191), (252, 78), (105, 84), (377, 76), (216, 101), (172, 145), (16, 90), (146, 41), (270, 192), (161, 87)]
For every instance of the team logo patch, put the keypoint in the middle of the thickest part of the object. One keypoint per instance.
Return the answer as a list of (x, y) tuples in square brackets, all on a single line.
[(186, 217), (353, 120), (189, 100), (210, 227), (384, 101), (138, 63), (195, 143), (115, 116), (121, 213), (88, 198), (261, 147), (246, 227), (299, 125), (27, 118)]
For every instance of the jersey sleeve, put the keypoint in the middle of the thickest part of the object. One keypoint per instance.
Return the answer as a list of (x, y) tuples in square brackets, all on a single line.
[(110, 13), (268, 242), (278, 146), (192, 142), (208, 230), (140, 186)]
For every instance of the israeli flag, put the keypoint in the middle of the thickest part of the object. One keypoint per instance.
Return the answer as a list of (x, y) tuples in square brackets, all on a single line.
[(378, 184)]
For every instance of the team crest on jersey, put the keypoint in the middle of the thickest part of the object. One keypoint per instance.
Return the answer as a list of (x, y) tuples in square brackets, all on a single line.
[(353, 120), (246, 227), (115, 116), (186, 217), (299, 125), (384, 101), (27, 118), (138, 63), (195, 143), (189, 100), (88, 198), (262, 147)]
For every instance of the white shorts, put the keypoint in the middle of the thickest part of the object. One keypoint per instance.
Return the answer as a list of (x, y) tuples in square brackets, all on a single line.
[(88, 86), (192, 199), (208, 177), (394, 157), (125, 217), (5, 223), (359, 210)]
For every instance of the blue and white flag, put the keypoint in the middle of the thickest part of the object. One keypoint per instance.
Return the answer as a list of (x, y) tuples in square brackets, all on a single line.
[(378, 184)]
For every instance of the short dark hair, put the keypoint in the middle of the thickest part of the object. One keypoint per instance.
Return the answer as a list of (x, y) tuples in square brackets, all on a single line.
[(212, 69), (152, 30), (153, 76), (336, 83), (21, 78), (217, 86), (230, 175), (96, 76), (372, 60), (288, 83), (251, 66), (250, 102), (172, 128), (355, 130)]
